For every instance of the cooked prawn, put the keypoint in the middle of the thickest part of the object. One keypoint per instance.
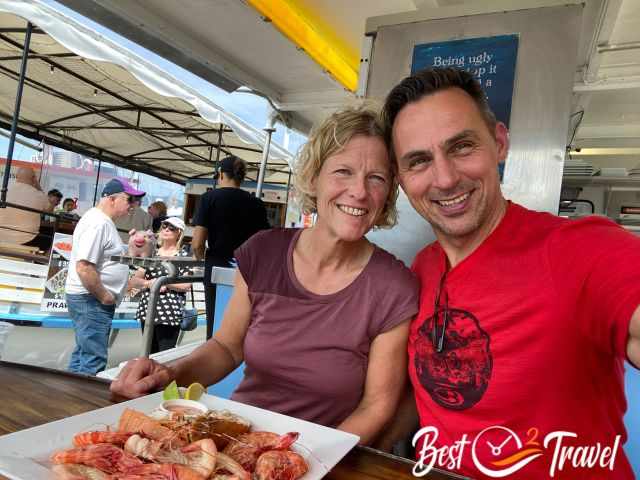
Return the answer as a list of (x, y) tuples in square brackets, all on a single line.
[(280, 465), (106, 457), (73, 471), (159, 471), (228, 464), (91, 438), (200, 456), (132, 421), (142, 447), (247, 447)]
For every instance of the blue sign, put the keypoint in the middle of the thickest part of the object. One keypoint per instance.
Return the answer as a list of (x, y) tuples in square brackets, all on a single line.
[(491, 59)]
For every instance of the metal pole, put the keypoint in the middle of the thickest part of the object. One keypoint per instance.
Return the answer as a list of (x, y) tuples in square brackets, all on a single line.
[(286, 205), (288, 186), (215, 168), (16, 113), (154, 295), (265, 153), (95, 191)]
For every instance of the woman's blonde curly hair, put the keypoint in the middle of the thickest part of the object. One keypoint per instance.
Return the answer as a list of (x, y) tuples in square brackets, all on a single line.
[(328, 138)]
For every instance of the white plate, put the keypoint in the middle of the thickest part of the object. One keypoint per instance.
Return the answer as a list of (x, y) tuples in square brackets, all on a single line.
[(322, 447)]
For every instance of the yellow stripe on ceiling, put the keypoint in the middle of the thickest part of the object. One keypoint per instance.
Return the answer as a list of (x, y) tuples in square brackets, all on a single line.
[(299, 27)]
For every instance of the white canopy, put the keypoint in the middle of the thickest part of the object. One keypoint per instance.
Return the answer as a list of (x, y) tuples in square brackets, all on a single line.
[(85, 93)]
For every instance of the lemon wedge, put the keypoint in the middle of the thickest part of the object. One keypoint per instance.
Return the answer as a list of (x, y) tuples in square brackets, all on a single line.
[(194, 392), (171, 392)]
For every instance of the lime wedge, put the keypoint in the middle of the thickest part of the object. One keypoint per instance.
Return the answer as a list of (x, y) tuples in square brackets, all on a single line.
[(194, 392), (171, 392)]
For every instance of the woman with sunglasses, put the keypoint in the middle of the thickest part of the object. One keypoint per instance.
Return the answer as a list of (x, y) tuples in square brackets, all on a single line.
[(171, 301), (320, 316)]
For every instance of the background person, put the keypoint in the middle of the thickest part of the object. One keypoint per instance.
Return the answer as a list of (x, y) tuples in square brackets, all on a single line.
[(69, 209), (69, 205), (54, 198), (137, 219), (158, 212), (226, 217), (525, 318), (22, 226), (170, 307), (319, 315), (95, 284)]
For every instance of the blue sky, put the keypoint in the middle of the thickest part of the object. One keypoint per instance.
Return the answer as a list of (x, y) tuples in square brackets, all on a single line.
[(252, 109)]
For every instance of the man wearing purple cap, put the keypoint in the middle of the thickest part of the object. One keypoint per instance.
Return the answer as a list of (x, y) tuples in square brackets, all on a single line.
[(95, 284)]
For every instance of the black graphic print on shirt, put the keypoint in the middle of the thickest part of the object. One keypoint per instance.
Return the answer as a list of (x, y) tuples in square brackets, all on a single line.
[(457, 377)]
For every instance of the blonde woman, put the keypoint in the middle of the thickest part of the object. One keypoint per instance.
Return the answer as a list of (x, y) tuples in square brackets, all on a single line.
[(320, 316), (170, 307)]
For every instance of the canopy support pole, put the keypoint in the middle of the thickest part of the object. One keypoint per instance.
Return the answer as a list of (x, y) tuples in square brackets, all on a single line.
[(16, 113), (286, 204), (265, 152), (95, 191), (218, 149)]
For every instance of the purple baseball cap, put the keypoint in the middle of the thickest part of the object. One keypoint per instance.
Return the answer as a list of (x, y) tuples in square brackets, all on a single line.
[(119, 185)]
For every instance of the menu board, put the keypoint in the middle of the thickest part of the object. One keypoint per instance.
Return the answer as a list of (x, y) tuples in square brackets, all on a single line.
[(53, 299)]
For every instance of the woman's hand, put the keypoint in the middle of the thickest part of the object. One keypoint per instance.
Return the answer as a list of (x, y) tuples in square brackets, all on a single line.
[(141, 376)]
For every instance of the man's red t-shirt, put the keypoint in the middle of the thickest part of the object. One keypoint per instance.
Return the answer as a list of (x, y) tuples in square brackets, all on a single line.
[(535, 340)]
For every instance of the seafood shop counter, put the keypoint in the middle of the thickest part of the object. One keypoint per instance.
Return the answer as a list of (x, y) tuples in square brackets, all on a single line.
[(31, 396)]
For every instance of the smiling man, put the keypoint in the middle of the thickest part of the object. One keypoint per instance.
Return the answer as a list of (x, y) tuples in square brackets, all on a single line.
[(525, 318)]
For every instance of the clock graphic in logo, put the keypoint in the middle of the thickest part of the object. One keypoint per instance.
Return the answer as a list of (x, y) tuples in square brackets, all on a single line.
[(498, 451)]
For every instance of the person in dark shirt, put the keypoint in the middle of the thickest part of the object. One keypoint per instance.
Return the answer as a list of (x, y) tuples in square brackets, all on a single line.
[(226, 218), (158, 211)]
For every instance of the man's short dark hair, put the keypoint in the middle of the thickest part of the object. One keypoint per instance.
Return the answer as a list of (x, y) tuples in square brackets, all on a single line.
[(427, 82), (55, 193), (234, 167)]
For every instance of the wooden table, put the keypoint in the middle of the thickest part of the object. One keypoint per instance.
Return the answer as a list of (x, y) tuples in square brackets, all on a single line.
[(31, 396)]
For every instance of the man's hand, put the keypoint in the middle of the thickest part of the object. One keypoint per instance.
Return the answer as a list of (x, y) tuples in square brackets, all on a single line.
[(108, 298), (141, 376), (91, 281)]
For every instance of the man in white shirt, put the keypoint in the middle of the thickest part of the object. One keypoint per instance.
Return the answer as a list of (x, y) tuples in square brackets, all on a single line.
[(22, 226), (96, 284)]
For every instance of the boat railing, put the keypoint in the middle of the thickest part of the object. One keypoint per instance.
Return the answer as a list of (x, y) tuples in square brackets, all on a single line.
[(171, 265), (224, 279)]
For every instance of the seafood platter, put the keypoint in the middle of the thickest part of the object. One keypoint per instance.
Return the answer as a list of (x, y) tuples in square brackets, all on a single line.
[(148, 438)]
